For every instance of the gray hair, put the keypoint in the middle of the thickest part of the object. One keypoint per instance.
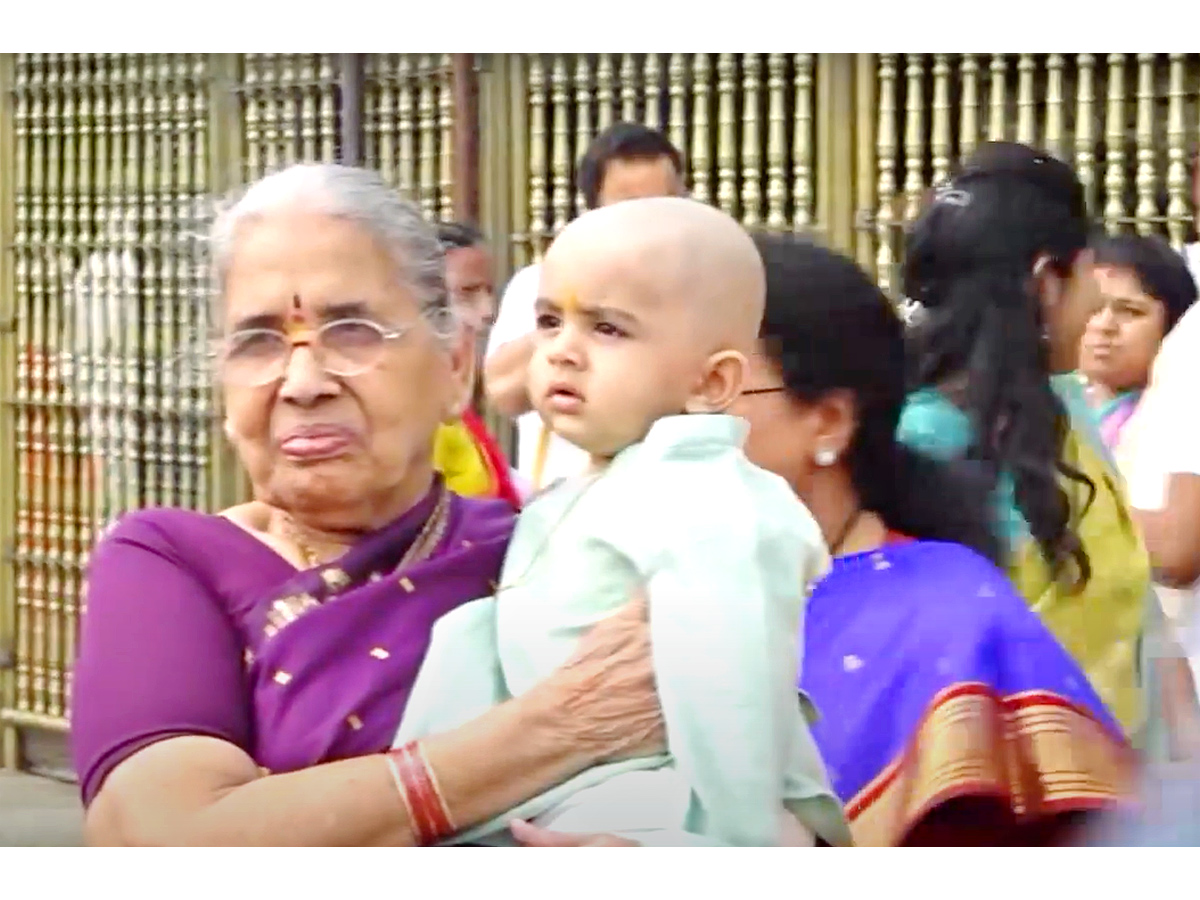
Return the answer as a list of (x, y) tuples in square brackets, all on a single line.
[(357, 195)]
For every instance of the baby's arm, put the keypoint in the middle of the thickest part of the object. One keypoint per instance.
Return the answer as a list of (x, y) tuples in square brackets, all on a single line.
[(726, 594)]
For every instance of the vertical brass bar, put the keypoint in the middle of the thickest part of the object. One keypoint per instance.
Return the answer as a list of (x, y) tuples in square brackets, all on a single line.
[(560, 152), (407, 125), (1026, 101), (273, 111), (1177, 180), (835, 150), (254, 118), (445, 123), (606, 92), (289, 108), (1085, 126), (143, 433), (998, 98), (393, 169), (50, 603), (466, 136), (1056, 138), (677, 89), (939, 136), (726, 134), (12, 187), (310, 92), (539, 99), (914, 135), (227, 145), (1114, 139), (583, 116), (968, 126), (865, 73), (751, 140), (26, 129), (651, 91), (701, 136), (803, 195), (629, 88), (30, 632), (198, 382), (885, 146), (777, 149), (350, 79), (327, 109), (521, 175), (428, 128), (1146, 178)]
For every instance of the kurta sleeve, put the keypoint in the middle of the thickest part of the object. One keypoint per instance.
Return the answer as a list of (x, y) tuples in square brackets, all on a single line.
[(158, 654)]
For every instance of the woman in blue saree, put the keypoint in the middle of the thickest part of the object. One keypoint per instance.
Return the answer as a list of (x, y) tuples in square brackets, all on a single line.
[(946, 712)]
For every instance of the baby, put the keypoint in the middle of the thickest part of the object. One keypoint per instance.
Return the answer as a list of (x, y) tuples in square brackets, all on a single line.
[(647, 310)]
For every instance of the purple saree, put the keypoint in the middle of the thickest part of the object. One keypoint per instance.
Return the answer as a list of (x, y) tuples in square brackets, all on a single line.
[(193, 626), (937, 683)]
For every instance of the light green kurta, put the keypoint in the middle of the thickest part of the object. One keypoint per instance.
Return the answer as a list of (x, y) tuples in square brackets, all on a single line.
[(727, 554)]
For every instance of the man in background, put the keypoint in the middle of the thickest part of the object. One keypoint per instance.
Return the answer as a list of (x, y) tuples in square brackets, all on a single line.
[(464, 451), (624, 162)]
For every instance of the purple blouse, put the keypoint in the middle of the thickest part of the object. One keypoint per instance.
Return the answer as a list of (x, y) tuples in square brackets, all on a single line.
[(194, 627)]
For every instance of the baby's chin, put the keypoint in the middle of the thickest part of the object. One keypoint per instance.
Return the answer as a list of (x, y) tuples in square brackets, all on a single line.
[(600, 445)]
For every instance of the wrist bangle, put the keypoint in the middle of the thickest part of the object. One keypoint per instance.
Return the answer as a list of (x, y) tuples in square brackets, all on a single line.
[(421, 794)]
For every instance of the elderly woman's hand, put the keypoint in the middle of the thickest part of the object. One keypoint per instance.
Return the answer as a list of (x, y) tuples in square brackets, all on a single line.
[(606, 694), (533, 836)]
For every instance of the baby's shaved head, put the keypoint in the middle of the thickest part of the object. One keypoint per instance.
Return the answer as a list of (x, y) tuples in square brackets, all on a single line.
[(671, 252)]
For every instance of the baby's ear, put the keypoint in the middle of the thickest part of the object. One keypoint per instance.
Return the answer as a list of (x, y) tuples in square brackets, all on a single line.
[(720, 385)]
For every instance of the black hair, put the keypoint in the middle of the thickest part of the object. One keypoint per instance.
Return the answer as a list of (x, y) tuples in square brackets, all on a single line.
[(969, 261), (459, 235), (622, 141), (829, 328), (1160, 271)]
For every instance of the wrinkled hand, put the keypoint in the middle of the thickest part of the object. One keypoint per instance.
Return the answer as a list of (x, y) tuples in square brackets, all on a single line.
[(533, 836), (605, 693)]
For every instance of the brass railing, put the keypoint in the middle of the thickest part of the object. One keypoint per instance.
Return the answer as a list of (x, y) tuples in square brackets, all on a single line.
[(110, 163)]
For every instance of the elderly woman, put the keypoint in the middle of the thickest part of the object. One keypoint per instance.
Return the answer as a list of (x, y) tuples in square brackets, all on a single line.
[(242, 674)]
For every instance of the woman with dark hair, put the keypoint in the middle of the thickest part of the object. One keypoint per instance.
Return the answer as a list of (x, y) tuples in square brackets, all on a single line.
[(1145, 286), (1000, 262), (949, 714)]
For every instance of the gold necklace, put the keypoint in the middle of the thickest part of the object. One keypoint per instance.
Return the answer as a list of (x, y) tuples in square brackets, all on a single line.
[(426, 540)]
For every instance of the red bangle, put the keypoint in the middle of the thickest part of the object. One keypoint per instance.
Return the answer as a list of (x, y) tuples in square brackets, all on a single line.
[(421, 794)]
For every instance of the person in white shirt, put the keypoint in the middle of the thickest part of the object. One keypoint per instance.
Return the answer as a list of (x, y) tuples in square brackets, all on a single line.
[(624, 162), (1159, 457)]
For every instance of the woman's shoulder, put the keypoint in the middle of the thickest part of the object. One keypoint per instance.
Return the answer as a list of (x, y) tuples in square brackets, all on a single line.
[(931, 423), (160, 526), (960, 585)]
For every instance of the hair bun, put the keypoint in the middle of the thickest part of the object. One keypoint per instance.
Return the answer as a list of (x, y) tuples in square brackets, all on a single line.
[(1034, 167)]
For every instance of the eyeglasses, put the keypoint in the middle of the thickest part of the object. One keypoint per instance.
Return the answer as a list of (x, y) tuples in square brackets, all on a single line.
[(343, 348)]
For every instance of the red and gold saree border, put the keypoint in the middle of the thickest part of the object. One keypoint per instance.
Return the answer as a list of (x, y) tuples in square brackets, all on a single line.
[(1036, 748)]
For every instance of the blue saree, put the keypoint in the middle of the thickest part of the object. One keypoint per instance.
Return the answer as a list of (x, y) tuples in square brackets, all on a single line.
[(935, 682)]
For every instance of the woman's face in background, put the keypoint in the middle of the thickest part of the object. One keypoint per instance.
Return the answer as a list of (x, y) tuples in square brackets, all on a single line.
[(1123, 337)]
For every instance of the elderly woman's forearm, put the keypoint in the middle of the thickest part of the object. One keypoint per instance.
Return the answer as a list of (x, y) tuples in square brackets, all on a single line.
[(202, 792)]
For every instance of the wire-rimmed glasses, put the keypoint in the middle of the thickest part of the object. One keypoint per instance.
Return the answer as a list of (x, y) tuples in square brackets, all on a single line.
[(343, 348)]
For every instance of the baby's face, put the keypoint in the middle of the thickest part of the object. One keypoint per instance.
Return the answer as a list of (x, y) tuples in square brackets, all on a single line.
[(609, 357)]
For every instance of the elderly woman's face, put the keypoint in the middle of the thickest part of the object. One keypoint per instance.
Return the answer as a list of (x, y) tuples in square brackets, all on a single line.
[(345, 447)]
